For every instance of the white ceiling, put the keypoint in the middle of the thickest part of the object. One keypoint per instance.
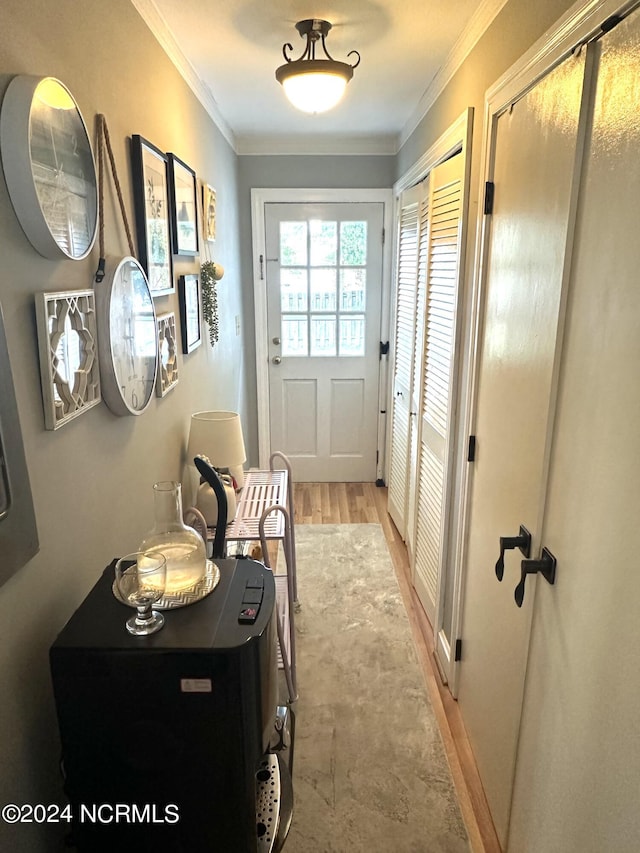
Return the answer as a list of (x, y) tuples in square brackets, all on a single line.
[(228, 52)]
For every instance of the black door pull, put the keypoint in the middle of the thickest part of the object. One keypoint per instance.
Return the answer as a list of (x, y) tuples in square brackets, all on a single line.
[(508, 543), (546, 565)]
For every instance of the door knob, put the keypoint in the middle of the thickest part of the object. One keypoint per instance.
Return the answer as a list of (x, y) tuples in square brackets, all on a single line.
[(507, 543), (276, 359), (276, 341), (546, 565)]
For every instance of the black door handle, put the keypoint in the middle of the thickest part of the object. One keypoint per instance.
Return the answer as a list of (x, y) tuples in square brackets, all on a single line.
[(546, 565), (507, 543)]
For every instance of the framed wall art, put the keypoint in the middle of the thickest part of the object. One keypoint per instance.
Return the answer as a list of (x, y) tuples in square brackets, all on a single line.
[(184, 207), (208, 212), (153, 214), (67, 343), (167, 377), (190, 312)]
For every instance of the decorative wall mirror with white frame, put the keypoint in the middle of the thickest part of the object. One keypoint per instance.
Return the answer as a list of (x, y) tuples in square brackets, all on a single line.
[(168, 370), (49, 167), (68, 347)]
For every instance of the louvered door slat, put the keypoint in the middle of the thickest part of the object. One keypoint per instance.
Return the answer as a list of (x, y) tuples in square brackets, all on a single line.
[(429, 512)]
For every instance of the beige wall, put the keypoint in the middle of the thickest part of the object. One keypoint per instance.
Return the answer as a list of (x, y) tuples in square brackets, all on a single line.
[(92, 479), (519, 24)]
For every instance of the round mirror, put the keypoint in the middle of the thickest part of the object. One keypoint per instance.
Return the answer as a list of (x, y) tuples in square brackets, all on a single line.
[(49, 168)]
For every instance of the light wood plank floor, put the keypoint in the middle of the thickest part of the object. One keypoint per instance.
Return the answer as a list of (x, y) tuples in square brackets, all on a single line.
[(357, 503)]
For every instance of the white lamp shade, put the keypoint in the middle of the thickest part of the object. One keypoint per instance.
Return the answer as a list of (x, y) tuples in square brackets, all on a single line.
[(217, 435), (314, 92)]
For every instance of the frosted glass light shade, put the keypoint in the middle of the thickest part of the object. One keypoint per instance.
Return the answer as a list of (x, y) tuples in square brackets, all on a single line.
[(313, 84), (315, 92), (217, 435)]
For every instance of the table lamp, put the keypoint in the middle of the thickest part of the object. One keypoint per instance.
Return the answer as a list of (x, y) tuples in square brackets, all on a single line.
[(218, 436)]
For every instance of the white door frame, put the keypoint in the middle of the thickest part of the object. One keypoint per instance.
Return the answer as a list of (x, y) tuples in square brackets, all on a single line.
[(262, 196), (578, 25)]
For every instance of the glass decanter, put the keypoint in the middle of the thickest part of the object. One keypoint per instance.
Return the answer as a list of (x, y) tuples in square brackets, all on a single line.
[(182, 547)]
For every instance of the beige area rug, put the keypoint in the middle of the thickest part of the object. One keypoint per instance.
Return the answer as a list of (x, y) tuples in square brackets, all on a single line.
[(370, 774)]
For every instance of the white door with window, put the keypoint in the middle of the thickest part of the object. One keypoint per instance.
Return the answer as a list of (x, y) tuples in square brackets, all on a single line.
[(323, 268)]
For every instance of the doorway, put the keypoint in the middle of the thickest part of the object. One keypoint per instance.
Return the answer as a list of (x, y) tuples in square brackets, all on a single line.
[(320, 296)]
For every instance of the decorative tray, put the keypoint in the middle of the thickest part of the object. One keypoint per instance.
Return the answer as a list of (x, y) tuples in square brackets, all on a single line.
[(184, 597)]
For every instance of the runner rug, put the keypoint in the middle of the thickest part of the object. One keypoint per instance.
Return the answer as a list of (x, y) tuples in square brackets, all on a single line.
[(370, 773)]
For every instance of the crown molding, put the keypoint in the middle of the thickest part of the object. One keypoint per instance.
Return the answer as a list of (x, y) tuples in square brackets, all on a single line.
[(310, 144), (149, 13), (480, 21)]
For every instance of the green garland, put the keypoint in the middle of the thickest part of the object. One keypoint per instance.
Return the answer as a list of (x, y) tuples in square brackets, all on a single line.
[(209, 299)]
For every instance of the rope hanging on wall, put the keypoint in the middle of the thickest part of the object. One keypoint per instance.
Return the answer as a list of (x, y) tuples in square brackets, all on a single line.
[(104, 140)]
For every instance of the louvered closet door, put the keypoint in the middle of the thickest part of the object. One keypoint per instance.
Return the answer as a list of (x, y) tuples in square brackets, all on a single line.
[(440, 258), (424, 226), (403, 350)]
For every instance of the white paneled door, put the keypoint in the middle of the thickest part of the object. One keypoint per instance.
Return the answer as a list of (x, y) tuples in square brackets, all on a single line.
[(580, 725), (527, 261), (324, 292)]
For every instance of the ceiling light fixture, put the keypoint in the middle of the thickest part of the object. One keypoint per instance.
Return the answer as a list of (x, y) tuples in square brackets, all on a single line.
[(313, 84)]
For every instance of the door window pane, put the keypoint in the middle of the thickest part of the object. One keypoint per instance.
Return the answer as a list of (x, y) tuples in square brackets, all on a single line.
[(323, 289), (324, 243), (352, 289), (294, 335), (323, 281), (293, 290), (323, 335), (352, 335), (353, 243), (293, 244)]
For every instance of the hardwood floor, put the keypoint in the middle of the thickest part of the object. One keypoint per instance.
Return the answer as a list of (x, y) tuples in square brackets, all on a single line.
[(357, 503)]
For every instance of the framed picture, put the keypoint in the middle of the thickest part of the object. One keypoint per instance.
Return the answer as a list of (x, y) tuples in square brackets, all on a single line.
[(153, 215), (184, 219), (68, 347), (190, 312), (167, 376), (208, 212)]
